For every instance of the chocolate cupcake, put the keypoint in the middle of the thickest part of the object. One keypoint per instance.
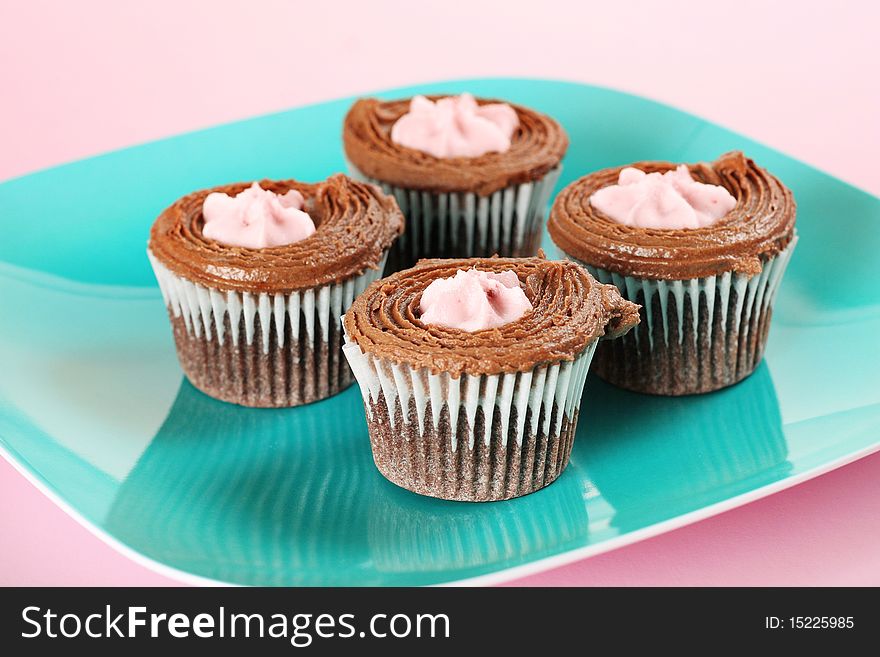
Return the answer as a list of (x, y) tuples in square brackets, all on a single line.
[(701, 247), (473, 176), (471, 370), (256, 276)]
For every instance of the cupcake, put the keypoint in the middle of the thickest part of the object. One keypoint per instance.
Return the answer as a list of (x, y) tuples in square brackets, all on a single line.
[(471, 370), (473, 176), (256, 276), (702, 248)]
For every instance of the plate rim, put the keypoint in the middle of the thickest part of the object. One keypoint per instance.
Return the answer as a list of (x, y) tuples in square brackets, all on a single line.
[(502, 576)]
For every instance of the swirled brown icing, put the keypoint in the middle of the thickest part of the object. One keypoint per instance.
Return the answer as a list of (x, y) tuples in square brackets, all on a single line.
[(759, 226), (355, 224), (536, 147), (570, 310)]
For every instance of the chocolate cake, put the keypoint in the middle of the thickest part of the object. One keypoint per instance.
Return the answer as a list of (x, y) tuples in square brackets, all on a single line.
[(459, 206), (259, 326), (706, 293), (483, 415)]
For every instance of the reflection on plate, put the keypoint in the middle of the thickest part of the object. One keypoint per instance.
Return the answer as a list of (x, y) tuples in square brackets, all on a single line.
[(682, 448), (411, 534), (291, 496), (282, 491)]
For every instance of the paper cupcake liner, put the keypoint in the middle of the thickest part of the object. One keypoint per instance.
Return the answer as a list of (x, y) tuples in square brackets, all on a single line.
[(508, 222), (262, 349), (695, 335), (472, 438)]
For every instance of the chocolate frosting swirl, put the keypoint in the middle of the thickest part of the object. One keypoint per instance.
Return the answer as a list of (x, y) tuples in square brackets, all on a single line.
[(536, 147), (570, 310), (355, 223), (759, 226)]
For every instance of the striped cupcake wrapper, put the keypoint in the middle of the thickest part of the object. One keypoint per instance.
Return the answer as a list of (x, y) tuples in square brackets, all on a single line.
[(508, 222), (475, 437), (695, 335), (260, 349)]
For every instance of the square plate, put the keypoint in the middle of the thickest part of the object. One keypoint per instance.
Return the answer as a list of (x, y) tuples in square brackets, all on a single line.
[(94, 409)]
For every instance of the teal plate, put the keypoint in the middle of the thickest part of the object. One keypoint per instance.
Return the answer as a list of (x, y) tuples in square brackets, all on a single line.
[(94, 410)]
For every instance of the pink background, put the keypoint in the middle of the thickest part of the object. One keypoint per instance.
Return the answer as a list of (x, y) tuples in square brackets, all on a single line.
[(81, 78)]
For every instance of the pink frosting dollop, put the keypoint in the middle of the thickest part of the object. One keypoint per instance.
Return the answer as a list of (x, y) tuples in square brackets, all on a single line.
[(671, 200), (474, 300), (456, 126), (256, 218)]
